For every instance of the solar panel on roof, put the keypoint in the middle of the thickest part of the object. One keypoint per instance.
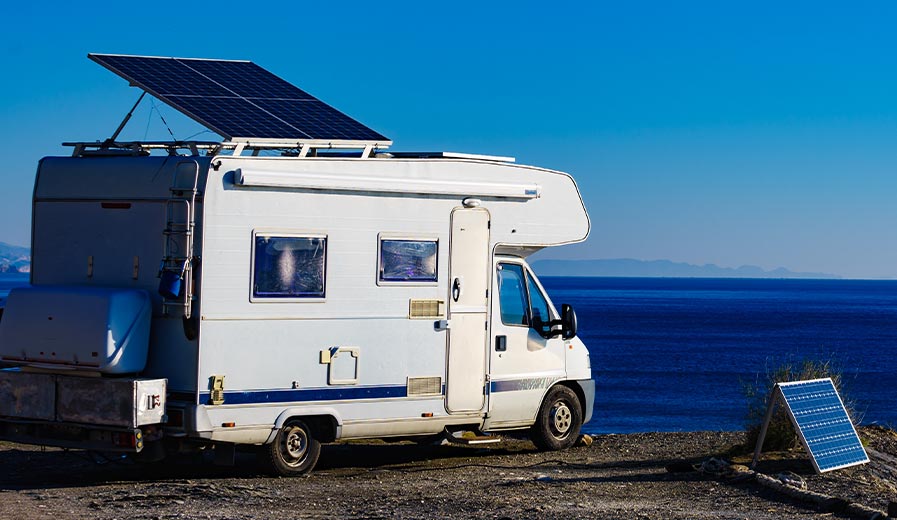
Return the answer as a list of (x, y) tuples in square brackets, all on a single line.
[(238, 99), (821, 421)]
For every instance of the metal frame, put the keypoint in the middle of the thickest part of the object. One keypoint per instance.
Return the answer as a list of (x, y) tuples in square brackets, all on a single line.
[(301, 148)]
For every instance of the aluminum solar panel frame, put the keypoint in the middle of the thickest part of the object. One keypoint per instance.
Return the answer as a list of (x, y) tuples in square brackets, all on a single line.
[(822, 423), (241, 101)]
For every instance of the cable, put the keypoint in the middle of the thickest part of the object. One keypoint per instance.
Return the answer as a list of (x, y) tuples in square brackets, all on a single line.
[(163, 120)]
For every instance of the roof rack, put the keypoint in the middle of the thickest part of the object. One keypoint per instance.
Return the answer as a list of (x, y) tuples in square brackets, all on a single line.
[(303, 148)]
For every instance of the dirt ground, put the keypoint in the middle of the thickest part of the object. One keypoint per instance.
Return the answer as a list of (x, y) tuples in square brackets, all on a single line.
[(618, 476)]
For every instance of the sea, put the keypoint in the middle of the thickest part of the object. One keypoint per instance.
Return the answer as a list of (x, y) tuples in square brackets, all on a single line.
[(675, 354)]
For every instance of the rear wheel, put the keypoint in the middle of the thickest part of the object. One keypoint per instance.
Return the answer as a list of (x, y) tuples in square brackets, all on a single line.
[(559, 420), (294, 452)]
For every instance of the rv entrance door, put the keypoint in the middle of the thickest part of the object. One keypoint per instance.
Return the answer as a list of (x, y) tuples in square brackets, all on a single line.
[(468, 283)]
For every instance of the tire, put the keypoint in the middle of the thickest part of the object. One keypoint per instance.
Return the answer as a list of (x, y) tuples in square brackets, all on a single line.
[(559, 420), (294, 452)]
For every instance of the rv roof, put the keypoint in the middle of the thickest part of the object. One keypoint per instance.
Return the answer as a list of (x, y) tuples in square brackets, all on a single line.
[(239, 100), (450, 155)]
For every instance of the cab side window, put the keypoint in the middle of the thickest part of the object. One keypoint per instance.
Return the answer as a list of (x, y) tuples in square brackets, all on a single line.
[(541, 316), (512, 295)]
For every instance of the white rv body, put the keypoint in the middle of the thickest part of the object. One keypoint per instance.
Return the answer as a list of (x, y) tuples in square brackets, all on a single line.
[(366, 356)]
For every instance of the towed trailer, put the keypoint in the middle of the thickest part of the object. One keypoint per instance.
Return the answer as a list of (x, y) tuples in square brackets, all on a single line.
[(296, 287)]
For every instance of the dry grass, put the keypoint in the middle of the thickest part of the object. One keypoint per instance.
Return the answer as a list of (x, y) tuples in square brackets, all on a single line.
[(781, 435)]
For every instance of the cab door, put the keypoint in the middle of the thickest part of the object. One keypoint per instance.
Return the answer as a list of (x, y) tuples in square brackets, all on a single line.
[(524, 360)]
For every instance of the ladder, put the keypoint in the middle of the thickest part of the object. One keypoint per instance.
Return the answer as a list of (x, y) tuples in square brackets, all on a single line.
[(178, 236)]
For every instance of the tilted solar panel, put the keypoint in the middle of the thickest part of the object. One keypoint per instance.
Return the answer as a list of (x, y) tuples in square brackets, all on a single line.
[(823, 423), (238, 99)]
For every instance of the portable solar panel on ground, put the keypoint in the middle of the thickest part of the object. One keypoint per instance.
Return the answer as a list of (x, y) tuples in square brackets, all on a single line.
[(819, 414), (238, 99)]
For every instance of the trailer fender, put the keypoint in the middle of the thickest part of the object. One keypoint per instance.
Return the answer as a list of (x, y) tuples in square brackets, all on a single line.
[(327, 420)]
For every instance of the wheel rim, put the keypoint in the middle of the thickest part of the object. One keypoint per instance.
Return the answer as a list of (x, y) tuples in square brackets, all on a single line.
[(294, 445), (561, 419)]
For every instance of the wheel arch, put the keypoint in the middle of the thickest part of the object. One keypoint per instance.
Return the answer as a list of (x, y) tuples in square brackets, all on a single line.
[(580, 396), (325, 423), (577, 389)]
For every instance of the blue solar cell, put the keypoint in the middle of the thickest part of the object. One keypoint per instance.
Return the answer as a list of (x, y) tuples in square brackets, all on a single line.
[(824, 424), (319, 119), (163, 76), (246, 79), (238, 99), (238, 116)]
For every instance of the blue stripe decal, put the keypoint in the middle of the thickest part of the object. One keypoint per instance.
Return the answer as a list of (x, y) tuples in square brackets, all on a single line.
[(514, 385), (311, 394)]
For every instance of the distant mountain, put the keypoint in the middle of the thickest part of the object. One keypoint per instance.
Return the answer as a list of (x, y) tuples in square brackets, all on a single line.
[(14, 259), (660, 269)]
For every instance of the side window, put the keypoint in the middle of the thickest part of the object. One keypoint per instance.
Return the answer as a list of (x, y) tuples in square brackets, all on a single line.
[(539, 305), (289, 266), (512, 294), (408, 260)]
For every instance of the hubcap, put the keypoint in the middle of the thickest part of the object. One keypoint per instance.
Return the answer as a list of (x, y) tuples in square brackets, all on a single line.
[(295, 444), (561, 418)]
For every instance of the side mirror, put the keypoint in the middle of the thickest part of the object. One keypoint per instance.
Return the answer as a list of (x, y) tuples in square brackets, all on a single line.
[(568, 321)]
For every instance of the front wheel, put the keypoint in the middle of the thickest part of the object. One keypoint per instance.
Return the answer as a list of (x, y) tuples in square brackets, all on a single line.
[(294, 451), (559, 420)]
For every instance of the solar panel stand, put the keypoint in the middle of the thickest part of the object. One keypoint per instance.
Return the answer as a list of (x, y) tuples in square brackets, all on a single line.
[(125, 120), (774, 396), (305, 147), (831, 424)]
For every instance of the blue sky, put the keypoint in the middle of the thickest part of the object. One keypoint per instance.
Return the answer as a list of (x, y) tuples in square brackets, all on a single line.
[(704, 132)]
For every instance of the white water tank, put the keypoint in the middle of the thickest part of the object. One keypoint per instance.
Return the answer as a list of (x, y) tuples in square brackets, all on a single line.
[(93, 329)]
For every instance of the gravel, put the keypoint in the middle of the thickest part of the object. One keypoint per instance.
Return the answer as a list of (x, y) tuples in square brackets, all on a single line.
[(633, 476)]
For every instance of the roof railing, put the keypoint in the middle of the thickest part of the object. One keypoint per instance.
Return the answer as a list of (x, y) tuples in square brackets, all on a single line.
[(236, 147)]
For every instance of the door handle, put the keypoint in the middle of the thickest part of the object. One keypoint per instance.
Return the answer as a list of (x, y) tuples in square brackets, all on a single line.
[(456, 289), (501, 343)]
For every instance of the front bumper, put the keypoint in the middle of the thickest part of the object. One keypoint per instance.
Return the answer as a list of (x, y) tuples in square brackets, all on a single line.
[(588, 390)]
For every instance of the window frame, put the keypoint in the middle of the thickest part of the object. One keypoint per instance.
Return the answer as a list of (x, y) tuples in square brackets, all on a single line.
[(286, 299), (526, 310), (528, 277), (381, 237)]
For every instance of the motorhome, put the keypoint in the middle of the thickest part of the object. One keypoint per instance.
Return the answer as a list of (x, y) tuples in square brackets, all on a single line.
[(299, 286)]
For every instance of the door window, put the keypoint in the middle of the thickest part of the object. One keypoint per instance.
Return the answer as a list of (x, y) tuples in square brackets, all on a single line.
[(512, 294), (541, 316)]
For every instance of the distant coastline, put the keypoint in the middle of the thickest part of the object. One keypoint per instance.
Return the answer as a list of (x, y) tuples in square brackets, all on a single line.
[(14, 259), (629, 267), (17, 259)]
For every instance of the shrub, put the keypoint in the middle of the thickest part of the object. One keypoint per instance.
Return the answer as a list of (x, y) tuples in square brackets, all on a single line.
[(780, 434)]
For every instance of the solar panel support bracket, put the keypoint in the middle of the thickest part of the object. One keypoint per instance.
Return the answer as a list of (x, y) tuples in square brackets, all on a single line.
[(774, 396), (126, 119)]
